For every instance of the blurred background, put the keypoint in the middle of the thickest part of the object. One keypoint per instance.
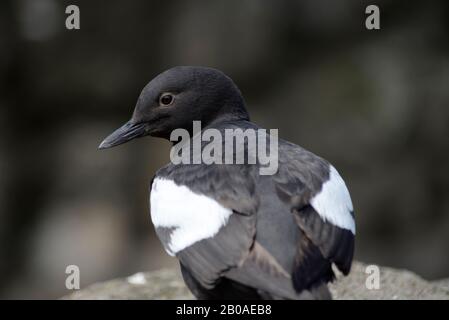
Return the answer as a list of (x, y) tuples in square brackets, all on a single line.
[(374, 103)]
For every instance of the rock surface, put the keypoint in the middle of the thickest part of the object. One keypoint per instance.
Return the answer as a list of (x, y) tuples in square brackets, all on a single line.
[(168, 284)]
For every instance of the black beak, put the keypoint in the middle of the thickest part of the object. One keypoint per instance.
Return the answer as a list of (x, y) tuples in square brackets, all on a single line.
[(124, 134)]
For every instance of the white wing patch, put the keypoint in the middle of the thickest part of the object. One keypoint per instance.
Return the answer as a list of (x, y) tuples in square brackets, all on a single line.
[(333, 202), (194, 217)]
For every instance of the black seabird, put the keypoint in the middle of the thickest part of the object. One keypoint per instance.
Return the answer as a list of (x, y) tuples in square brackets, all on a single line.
[(236, 233)]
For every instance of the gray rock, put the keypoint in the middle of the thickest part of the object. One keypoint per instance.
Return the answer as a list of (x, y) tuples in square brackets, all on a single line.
[(168, 284)]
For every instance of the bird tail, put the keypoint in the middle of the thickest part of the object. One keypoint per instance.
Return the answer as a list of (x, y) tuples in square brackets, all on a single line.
[(319, 292)]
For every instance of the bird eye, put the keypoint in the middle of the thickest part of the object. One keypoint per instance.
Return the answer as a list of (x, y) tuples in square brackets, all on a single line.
[(166, 99)]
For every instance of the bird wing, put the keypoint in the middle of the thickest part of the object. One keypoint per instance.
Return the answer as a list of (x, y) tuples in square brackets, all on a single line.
[(208, 259), (200, 195), (322, 209)]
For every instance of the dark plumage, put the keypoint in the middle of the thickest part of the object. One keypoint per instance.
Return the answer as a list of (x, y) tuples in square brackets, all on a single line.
[(277, 236)]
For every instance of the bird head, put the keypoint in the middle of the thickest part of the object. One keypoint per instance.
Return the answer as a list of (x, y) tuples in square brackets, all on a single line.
[(176, 98)]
